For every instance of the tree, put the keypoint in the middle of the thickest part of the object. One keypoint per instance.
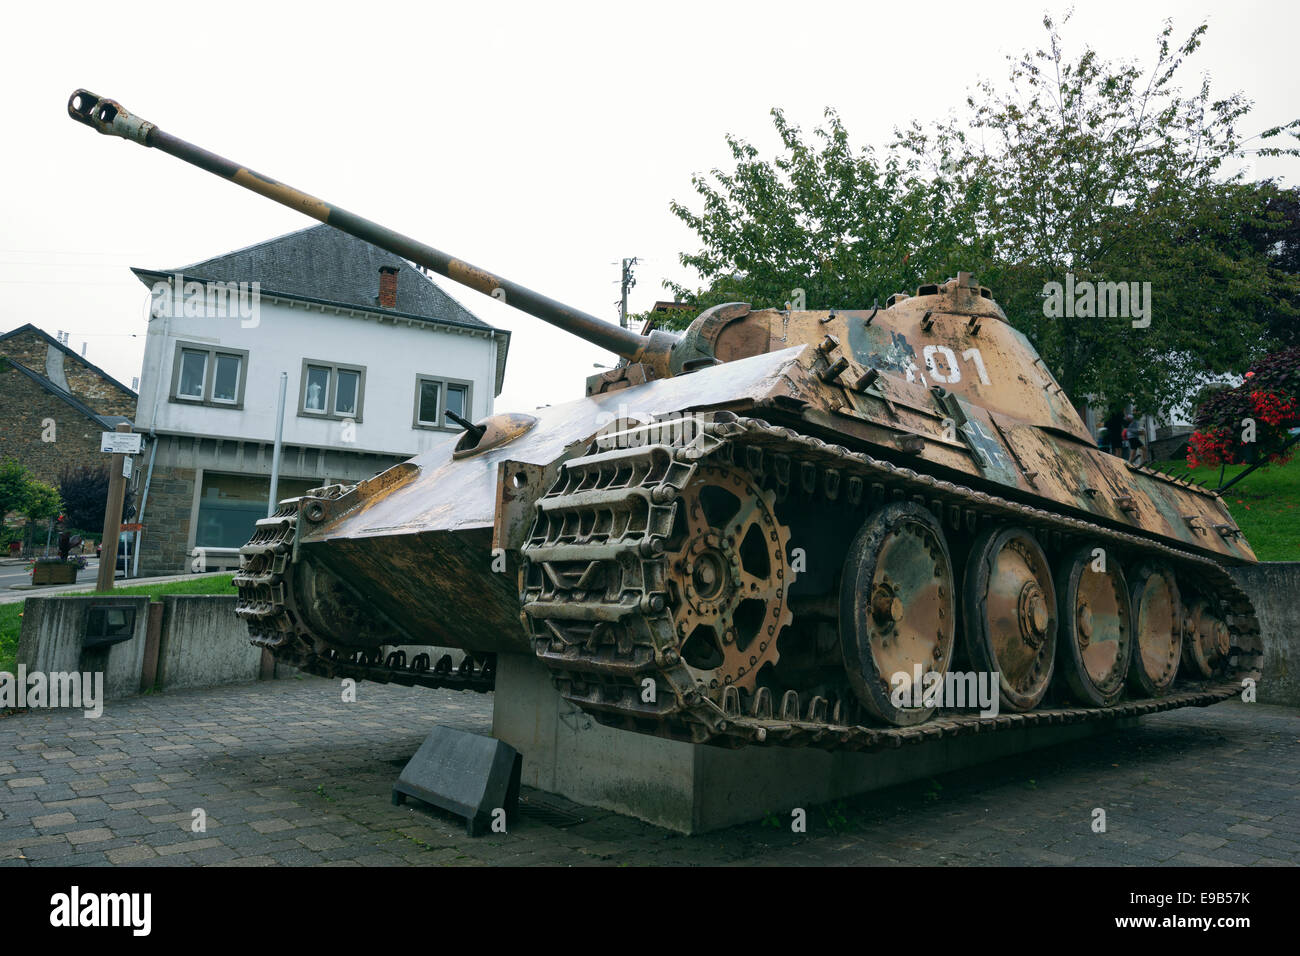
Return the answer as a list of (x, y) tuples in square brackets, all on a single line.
[(85, 496), (41, 506), (15, 485), (843, 225), (1080, 166), (43, 502), (1111, 173)]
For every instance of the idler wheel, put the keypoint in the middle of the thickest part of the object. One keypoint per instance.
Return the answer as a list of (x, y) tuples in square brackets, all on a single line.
[(1009, 620), (1096, 634), (897, 610), (1157, 630)]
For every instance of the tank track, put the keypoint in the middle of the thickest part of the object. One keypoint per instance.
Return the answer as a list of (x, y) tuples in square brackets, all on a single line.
[(266, 605), (595, 598)]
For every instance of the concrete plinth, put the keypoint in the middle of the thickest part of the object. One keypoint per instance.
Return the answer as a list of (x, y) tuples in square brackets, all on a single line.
[(694, 789)]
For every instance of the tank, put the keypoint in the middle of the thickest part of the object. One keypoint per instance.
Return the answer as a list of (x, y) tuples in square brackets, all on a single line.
[(804, 528)]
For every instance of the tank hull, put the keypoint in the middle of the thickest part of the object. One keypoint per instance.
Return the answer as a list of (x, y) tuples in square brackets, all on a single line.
[(433, 545)]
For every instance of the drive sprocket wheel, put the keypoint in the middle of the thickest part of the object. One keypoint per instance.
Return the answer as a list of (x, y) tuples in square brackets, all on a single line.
[(729, 577)]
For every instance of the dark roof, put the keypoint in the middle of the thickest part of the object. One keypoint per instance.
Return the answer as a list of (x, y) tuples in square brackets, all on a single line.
[(108, 421), (322, 264), (67, 351)]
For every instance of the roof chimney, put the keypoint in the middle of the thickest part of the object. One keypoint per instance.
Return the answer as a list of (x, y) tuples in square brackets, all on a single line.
[(387, 287)]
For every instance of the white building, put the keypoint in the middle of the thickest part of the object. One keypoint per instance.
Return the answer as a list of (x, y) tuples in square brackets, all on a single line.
[(375, 355)]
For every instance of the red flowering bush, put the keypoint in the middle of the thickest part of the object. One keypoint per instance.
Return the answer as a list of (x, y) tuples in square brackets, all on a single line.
[(1265, 407)]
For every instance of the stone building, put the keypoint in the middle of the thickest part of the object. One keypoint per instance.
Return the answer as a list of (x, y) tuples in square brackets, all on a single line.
[(375, 355), (54, 404), (65, 369)]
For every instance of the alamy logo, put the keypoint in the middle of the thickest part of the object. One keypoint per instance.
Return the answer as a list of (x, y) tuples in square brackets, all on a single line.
[(956, 690), (57, 689), (632, 429), (75, 908), (207, 299), (1100, 300)]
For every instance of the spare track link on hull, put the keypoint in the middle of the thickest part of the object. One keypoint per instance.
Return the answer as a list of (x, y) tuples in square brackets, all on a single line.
[(595, 594), (266, 604)]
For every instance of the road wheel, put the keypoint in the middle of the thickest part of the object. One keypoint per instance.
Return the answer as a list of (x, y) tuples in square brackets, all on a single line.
[(1009, 615), (1157, 630), (897, 611), (1206, 640), (1096, 636)]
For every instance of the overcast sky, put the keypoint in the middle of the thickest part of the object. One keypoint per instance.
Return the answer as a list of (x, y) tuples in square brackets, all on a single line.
[(541, 141)]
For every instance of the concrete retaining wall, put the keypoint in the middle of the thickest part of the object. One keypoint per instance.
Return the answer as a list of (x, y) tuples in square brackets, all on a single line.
[(50, 641), (204, 644), (1274, 586), (201, 643)]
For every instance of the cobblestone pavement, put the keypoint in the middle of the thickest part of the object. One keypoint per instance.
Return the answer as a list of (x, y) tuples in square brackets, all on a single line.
[(288, 775)]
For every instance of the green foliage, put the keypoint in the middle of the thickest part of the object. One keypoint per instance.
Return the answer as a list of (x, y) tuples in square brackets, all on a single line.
[(842, 224), (835, 818), (1267, 401), (1076, 164), (1111, 173), (11, 622), (43, 502), (15, 485), (85, 496), (215, 584)]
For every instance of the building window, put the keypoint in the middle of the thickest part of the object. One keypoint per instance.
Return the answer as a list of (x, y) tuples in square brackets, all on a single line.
[(229, 506), (194, 366), (204, 375), (435, 397), (330, 390)]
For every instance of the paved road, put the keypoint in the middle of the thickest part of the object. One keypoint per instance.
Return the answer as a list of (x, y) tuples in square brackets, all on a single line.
[(15, 573), (287, 774), (85, 582)]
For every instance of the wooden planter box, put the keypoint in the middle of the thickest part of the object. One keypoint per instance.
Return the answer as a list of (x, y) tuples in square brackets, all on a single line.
[(54, 572)]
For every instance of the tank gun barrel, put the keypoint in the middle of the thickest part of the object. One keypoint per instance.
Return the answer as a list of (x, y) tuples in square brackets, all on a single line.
[(110, 118)]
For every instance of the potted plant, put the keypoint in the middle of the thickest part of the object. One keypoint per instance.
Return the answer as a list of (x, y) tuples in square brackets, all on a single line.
[(63, 568)]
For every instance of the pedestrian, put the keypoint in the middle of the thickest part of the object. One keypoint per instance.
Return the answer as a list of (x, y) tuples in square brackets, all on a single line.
[(1115, 432), (1135, 438)]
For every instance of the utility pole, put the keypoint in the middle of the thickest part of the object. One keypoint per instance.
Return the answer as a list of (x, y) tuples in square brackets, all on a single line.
[(627, 283), (273, 500), (112, 519)]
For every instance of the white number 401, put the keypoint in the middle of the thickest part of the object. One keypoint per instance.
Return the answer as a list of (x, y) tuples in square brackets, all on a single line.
[(952, 373)]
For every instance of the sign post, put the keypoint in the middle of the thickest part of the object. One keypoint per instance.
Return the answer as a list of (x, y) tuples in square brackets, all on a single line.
[(113, 441)]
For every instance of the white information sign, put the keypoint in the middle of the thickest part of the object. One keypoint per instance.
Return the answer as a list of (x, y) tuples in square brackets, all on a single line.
[(120, 443)]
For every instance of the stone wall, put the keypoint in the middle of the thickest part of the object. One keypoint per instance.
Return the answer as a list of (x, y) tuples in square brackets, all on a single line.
[(164, 546), (69, 371), (27, 410)]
